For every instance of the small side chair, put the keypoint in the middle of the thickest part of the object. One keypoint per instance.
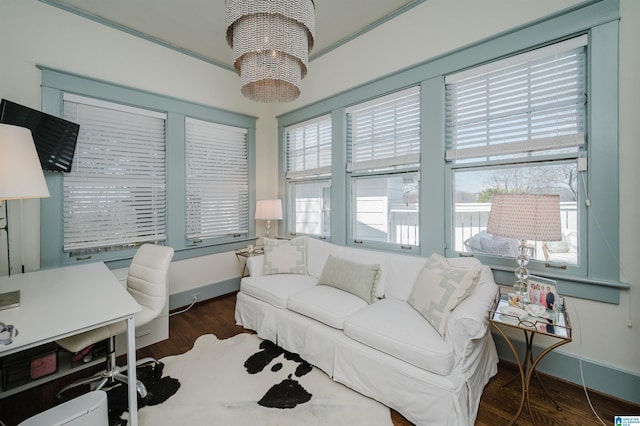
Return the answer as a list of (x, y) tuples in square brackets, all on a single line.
[(147, 283)]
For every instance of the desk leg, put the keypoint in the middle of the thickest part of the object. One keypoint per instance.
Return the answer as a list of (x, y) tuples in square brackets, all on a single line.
[(131, 371)]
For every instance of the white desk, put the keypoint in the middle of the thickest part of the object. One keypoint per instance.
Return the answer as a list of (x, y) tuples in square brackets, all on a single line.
[(56, 303)]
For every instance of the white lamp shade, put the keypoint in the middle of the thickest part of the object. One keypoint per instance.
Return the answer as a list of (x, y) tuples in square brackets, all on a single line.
[(534, 217), (21, 175), (269, 210)]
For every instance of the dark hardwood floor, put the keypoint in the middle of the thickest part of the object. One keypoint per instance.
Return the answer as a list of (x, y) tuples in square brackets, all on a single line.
[(499, 400)]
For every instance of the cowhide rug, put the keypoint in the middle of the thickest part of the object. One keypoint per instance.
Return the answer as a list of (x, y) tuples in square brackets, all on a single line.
[(245, 380)]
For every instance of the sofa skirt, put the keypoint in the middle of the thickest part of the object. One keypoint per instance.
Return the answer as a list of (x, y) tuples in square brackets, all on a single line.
[(422, 397)]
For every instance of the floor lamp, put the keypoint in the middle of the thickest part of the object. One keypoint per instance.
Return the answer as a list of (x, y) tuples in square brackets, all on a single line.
[(21, 178), (268, 210)]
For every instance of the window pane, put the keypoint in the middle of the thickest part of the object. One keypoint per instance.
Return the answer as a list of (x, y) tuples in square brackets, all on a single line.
[(311, 208), (217, 180), (115, 195), (384, 133), (309, 148), (530, 106), (473, 192), (386, 209)]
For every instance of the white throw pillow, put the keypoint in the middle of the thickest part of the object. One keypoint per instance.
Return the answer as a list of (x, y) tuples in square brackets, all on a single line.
[(285, 256), (439, 288)]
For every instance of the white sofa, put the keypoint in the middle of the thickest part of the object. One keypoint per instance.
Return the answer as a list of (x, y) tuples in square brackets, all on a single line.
[(386, 350)]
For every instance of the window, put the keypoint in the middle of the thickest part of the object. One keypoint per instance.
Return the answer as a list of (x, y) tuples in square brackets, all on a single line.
[(518, 125), (308, 176), (135, 181), (481, 132), (383, 159), (217, 181), (115, 195)]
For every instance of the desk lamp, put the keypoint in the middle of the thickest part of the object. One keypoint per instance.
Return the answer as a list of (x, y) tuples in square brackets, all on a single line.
[(268, 210), (21, 177), (534, 217)]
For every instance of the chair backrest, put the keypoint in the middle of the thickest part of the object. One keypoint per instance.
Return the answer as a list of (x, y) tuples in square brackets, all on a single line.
[(147, 278)]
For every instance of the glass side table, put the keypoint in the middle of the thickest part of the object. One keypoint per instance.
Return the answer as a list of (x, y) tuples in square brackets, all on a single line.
[(246, 253), (552, 323)]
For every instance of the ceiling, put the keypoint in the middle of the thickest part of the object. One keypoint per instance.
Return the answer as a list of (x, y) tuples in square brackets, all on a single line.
[(196, 27)]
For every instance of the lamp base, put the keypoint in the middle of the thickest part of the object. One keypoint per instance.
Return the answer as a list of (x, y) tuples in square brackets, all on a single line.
[(10, 299), (521, 272)]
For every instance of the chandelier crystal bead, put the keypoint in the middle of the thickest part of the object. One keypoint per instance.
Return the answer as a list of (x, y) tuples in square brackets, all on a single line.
[(271, 41)]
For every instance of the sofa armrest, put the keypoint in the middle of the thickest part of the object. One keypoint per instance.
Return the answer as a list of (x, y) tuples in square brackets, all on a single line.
[(254, 265), (469, 322)]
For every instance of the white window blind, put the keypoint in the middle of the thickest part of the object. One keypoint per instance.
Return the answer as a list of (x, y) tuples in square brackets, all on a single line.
[(530, 103), (308, 147), (217, 181), (384, 133), (115, 194)]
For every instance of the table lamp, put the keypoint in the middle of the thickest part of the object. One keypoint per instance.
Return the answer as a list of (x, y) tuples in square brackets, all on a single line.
[(21, 177), (268, 210), (534, 217)]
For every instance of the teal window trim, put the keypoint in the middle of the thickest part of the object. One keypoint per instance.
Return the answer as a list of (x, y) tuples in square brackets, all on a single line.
[(432, 172), (599, 19), (339, 179), (56, 82)]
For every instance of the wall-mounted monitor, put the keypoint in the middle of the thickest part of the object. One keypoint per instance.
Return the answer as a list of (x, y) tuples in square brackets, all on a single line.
[(55, 138)]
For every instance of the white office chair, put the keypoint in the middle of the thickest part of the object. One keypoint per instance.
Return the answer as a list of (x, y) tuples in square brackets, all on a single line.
[(147, 283)]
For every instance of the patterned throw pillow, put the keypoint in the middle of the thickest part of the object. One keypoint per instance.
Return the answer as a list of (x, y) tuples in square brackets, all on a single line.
[(439, 288), (285, 256), (356, 278)]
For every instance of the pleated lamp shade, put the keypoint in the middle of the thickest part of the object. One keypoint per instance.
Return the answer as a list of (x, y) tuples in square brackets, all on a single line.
[(534, 217)]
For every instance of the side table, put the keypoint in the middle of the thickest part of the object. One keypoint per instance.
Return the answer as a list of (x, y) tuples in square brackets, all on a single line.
[(554, 324), (246, 253)]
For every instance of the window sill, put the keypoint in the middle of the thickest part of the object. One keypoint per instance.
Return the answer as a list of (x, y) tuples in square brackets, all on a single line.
[(600, 290), (188, 252)]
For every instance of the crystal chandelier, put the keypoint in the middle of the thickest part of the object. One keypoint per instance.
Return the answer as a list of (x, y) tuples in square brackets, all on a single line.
[(271, 40)]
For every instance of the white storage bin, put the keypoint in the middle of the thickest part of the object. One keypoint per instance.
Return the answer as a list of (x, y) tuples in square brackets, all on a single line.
[(90, 409)]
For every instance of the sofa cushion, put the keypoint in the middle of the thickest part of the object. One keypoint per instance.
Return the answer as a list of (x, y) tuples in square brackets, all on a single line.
[(326, 304), (285, 256), (401, 276), (394, 327), (440, 287), (356, 278), (276, 289), (317, 253)]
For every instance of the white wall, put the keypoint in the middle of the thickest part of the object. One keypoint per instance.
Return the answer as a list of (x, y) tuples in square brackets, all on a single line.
[(34, 33), (437, 26), (618, 334)]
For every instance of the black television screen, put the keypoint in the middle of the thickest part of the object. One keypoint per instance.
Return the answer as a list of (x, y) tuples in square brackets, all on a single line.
[(55, 138)]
